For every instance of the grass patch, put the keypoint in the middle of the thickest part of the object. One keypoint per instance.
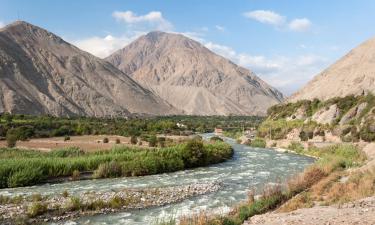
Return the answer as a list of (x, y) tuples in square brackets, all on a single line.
[(23, 167)]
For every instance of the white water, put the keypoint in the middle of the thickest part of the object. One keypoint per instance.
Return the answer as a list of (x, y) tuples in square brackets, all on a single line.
[(250, 168)]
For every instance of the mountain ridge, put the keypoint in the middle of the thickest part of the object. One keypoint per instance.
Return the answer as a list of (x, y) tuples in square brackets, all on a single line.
[(43, 74), (353, 74), (192, 78)]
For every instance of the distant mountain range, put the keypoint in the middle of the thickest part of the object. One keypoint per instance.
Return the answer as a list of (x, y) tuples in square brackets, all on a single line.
[(352, 74), (158, 74)]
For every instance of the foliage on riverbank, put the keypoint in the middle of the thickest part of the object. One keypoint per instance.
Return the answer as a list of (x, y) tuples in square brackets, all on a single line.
[(333, 159), (25, 167), (354, 119), (22, 127)]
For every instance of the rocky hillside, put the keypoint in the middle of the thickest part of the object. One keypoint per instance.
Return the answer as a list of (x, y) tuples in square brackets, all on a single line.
[(348, 119), (352, 74), (192, 78), (42, 74)]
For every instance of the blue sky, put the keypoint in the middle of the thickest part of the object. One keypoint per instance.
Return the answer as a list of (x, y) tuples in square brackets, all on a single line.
[(285, 42)]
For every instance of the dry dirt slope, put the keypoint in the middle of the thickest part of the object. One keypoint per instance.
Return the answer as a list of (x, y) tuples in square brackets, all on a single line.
[(352, 74), (42, 74), (192, 78)]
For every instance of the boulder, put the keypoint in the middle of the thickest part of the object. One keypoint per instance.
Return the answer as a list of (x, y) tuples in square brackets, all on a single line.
[(353, 113), (326, 116)]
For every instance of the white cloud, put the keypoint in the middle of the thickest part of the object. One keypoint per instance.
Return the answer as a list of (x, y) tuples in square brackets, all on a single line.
[(265, 16), (104, 46), (275, 19), (300, 25), (153, 19), (2, 24), (220, 28), (285, 73)]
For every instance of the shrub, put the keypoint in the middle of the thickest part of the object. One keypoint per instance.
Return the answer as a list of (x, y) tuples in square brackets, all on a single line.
[(216, 138), (161, 141), (296, 146), (193, 153), (65, 194), (11, 140), (118, 141), (67, 138), (133, 140), (303, 135), (152, 140), (74, 204), (76, 174), (105, 140), (106, 170), (258, 143), (36, 209)]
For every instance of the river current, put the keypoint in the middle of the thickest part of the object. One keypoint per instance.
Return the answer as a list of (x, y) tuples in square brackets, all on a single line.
[(250, 168)]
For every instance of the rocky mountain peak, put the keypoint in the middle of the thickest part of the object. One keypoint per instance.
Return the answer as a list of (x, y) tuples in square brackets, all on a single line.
[(192, 78)]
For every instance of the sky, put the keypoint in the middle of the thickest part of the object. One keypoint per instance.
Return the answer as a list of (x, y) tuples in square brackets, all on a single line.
[(285, 42)]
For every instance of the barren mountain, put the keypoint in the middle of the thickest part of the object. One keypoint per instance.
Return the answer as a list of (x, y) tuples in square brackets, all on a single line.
[(352, 74), (192, 78), (42, 74)]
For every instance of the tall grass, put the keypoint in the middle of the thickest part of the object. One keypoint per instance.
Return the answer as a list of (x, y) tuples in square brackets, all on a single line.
[(23, 168)]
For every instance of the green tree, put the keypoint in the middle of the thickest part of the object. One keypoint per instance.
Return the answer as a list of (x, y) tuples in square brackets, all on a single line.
[(194, 154)]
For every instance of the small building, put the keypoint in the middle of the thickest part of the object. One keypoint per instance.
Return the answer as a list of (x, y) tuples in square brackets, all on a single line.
[(218, 131)]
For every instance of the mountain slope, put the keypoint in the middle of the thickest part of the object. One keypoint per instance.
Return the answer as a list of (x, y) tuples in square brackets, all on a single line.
[(352, 74), (42, 74), (192, 78)]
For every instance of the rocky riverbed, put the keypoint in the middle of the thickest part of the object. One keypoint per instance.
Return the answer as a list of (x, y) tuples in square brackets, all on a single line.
[(37, 208)]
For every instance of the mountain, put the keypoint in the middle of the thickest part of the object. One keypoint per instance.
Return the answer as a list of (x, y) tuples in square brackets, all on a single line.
[(352, 74), (42, 74), (192, 78)]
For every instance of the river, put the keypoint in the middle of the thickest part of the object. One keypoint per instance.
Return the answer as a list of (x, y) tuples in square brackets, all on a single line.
[(248, 169)]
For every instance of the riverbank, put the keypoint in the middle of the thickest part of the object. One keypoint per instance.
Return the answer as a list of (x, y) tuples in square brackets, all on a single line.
[(24, 167), (56, 208), (332, 160), (344, 197)]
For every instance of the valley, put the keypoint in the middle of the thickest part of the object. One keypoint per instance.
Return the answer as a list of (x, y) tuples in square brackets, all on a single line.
[(203, 114)]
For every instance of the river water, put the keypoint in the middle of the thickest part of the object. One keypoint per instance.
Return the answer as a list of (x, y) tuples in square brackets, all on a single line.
[(250, 168)]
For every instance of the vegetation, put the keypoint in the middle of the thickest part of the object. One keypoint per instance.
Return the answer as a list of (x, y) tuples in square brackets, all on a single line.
[(282, 119), (27, 167), (27, 126), (258, 143), (333, 159)]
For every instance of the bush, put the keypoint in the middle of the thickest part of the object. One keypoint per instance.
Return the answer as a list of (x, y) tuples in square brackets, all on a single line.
[(216, 138), (296, 146), (36, 209), (67, 138), (118, 141), (133, 140), (11, 140), (303, 135), (76, 174), (152, 140), (105, 140), (107, 170), (74, 204), (194, 154), (258, 143)]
